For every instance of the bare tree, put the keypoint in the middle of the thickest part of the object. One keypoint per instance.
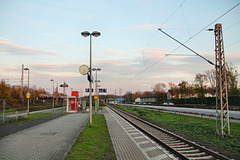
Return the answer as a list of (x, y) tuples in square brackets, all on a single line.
[(232, 78), (159, 88), (200, 86), (184, 89), (174, 91)]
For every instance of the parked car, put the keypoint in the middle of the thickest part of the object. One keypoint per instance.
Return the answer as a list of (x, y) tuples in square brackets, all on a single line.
[(168, 103), (165, 103)]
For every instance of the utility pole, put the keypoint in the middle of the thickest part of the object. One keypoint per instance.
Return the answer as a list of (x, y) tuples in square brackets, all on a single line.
[(21, 93), (57, 94), (222, 109)]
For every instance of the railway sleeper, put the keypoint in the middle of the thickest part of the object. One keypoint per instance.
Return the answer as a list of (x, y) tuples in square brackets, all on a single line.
[(184, 149), (179, 146), (200, 154), (175, 144), (202, 158), (190, 151), (170, 141), (167, 138)]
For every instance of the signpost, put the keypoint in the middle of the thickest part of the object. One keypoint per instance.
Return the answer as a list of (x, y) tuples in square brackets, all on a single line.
[(63, 85)]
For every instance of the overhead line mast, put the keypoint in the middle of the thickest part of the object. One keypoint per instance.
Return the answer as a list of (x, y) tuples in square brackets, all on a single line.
[(222, 109)]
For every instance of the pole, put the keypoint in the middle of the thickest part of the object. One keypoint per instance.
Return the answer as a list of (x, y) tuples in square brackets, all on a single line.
[(96, 93), (222, 108), (53, 95), (4, 103), (90, 83), (57, 94), (28, 92), (21, 94), (63, 98)]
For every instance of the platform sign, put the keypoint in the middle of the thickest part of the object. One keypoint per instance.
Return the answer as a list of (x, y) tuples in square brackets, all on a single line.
[(101, 90), (87, 90)]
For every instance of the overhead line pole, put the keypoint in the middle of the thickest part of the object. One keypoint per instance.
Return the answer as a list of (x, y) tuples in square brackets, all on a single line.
[(222, 109)]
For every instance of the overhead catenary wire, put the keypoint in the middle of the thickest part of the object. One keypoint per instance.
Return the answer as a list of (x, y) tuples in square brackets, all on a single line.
[(186, 47), (144, 62), (183, 44)]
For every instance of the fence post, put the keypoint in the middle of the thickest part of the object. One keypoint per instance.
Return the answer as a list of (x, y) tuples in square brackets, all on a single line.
[(4, 103)]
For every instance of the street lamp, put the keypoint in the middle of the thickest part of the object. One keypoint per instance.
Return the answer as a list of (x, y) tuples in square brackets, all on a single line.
[(28, 94), (86, 34), (53, 93)]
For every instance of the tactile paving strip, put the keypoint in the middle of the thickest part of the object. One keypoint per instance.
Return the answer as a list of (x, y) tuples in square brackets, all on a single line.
[(130, 143)]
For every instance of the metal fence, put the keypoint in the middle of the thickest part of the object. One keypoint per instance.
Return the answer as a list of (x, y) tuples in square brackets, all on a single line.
[(12, 116)]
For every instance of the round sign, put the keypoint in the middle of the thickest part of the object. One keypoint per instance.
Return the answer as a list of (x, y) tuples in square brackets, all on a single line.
[(83, 69), (28, 95), (72, 101)]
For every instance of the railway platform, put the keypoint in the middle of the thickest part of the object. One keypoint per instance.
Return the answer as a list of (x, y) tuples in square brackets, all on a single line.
[(130, 143), (50, 140)]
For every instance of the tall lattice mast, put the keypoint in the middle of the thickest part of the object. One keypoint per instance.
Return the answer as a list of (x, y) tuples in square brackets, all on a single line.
[(222, 109)]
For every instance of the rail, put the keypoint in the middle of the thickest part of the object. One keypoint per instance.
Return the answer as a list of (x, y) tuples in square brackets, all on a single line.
[(181, 147)]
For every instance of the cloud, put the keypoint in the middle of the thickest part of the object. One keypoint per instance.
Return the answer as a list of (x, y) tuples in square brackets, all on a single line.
[(6, 46), (8, 69), (110, 50)]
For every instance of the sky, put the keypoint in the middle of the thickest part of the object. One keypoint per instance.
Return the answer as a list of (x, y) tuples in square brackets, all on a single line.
[(133, 55)]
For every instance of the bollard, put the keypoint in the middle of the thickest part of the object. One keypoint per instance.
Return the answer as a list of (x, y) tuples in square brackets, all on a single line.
[(16, 116)]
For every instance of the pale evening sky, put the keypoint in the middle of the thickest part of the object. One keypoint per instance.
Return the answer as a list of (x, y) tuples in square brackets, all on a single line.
[(45, 36)]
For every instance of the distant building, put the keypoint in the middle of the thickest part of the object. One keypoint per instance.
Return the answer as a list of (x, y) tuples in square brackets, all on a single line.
[(146, 99)]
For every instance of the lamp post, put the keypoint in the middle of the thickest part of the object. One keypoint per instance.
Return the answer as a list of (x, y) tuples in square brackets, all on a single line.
[(96, 89), (28, 94), (53, 93), (86, 34)]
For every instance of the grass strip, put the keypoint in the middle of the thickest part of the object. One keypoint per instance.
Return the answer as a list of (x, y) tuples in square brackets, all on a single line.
[(94, 142), (200, 130)]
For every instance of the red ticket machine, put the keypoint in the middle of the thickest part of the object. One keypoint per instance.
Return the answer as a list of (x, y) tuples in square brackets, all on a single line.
[(75, 101)]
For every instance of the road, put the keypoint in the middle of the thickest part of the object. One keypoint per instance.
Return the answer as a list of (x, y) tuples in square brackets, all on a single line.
[(234, 114)]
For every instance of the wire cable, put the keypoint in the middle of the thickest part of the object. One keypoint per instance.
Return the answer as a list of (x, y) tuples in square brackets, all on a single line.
[(156, 32), (182, 43), (187, 47)]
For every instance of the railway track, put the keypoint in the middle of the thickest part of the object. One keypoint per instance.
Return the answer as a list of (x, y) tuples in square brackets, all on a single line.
[(180, 147)]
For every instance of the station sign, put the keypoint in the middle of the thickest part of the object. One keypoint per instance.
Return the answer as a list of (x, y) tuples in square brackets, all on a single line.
[(101, 90), (87, 90), (64, 85)]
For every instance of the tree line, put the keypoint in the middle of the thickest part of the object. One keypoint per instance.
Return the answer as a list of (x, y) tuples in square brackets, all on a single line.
[(15, 94), (204, 85)]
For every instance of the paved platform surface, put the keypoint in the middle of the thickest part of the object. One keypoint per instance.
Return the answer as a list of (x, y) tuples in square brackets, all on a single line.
[(130, 143), (50, 140)]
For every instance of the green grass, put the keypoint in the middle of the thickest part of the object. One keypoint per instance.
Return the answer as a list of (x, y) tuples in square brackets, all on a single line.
[(94, 142), (197, 129), (8, 110), (40, 115)]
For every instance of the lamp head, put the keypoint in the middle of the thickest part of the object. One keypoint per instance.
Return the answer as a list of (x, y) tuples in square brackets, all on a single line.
[(26, 69), (85, 34), (96, 34)]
